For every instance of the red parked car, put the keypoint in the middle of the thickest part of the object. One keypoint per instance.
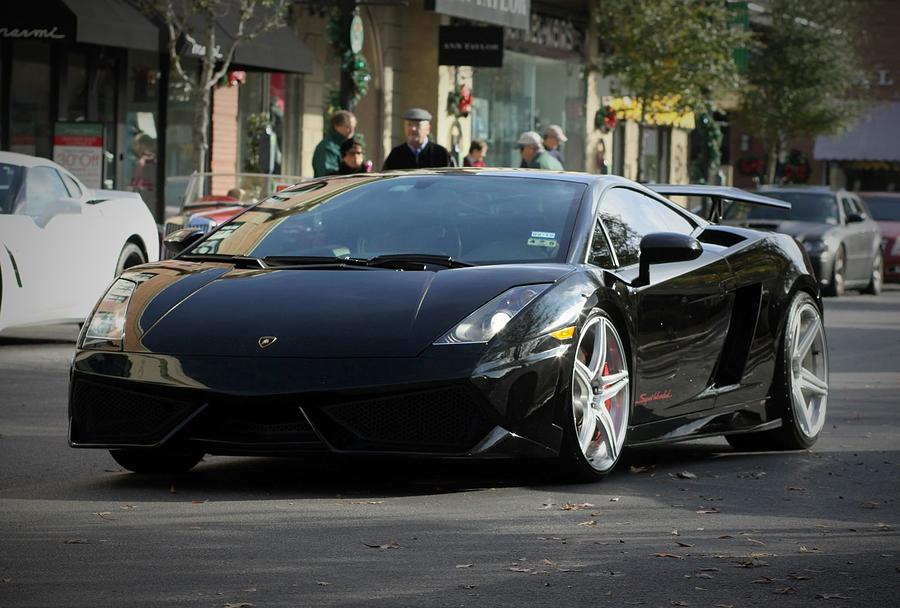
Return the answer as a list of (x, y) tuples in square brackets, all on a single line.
[(885, 208)]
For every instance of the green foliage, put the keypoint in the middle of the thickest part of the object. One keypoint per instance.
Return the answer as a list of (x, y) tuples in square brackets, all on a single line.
[(672, 50), (804, 72)]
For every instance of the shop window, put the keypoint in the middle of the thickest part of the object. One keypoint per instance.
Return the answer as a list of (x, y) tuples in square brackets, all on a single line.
[(261, 117), (179, 153), (30, 99), (76, 87), (655, 154), (141, 123)]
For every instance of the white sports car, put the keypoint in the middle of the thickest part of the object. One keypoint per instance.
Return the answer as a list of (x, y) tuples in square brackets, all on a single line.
[(62, 244)]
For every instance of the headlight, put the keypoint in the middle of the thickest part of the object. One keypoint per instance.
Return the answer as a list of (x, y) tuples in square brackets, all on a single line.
[(815, 246), (490, 319), (106, 328)]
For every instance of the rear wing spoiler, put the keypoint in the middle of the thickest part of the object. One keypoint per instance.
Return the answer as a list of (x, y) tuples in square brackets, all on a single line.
[(718, 194)]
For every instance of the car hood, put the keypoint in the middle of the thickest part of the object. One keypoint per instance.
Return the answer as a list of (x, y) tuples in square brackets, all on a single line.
[(799, 230), (323, 313)]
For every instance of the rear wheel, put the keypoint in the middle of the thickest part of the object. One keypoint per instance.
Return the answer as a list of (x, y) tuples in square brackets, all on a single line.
[(800, 392), (877, 278), (600, 401), (131, 256), (157, 460), (838, 274)]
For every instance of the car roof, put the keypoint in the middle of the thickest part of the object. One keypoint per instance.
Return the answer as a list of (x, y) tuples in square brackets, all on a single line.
[(26, 160), (568, 176)]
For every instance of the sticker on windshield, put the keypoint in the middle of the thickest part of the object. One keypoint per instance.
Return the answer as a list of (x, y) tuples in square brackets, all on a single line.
[(542, 239)]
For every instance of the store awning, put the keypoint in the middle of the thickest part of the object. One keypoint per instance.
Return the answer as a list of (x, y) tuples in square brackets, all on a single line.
[(660, 112), (280, 50), (876, 137), (113, 23)]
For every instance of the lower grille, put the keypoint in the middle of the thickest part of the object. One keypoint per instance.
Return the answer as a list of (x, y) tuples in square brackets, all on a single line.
[(108, 415), (443, 420), (253, 423)]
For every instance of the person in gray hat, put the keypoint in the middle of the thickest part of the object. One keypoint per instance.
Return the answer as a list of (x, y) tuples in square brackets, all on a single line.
[(417, 151), (533, 154), (553, 136)]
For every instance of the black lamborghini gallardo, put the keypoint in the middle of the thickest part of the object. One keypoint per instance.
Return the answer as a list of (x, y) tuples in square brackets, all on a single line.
[(456, 313)]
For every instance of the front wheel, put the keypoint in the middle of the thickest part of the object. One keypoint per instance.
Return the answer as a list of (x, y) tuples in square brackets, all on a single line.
[(131, 255), (599, 403), (876, 278), (800, 387), (157, 460)]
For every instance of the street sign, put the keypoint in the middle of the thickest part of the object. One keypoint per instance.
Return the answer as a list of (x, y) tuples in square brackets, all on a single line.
[(78, 146)]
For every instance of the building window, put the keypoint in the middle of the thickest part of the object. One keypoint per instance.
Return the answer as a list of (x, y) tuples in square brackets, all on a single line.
[(30, 99)]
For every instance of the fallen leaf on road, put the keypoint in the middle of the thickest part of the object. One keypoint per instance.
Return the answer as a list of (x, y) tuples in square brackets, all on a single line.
[(570, 506), (808, 550), (686, 475), (391, 544), (884, 527), (703, 575), (706, 510), (798, 577), (724, 536), (672, 555), (681, 544), (831, 596), (635, 470), (753, 541), (590, 522), (468, 586), (751, 561), (765, 580), (77, 541), (518, 569), (674, 532), (615, 499), (464, 565), (104, 515), (127, 507), (680, 603), (240, 605), (752, 475), (796, 489), (785, 591), (323, 583)]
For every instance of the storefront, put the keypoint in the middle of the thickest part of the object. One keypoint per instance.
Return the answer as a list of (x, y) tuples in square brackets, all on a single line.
[(63, 64), (542, 82)]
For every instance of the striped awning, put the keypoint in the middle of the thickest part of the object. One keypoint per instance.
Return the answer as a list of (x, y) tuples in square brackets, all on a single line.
[(875, 137)]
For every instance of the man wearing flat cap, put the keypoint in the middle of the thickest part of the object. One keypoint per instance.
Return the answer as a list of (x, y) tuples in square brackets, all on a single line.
[(418, 151), (533, 154), (553, 137)]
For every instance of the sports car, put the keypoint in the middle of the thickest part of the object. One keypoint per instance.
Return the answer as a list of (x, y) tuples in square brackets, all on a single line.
[(457, 314), (63, 243)]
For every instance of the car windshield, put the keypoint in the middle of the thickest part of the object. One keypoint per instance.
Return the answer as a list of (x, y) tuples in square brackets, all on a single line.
[(884, 208), (817, 207), (10, 178), (474, 219)]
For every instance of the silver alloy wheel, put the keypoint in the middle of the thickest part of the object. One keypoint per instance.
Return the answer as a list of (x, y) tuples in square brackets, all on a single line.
[(600, 393), (808, 356), (877, 273)]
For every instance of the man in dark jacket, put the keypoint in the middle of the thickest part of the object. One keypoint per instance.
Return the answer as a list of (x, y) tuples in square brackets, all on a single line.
[(417, 152), (327, 155)]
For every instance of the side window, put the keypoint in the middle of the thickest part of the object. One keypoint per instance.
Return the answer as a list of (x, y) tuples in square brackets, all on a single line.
[(43, 188), (847, 204), (71, 185), (600, 254), (629, 216)]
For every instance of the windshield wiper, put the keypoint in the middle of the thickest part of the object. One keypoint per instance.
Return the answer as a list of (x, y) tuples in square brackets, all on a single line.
[(313, 260), (245, 261), (421, 258)]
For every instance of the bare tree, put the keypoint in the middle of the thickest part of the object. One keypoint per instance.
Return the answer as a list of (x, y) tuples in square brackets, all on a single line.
[(214, 29)]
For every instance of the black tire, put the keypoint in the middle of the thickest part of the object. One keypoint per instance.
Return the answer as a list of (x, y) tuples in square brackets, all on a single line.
[(791, 435), (158, 460), (838, 274), (877, 278), (576, 466), (131, 256)]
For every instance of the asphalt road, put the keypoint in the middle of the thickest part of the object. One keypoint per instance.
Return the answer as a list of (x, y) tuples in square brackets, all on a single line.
[(693, 525)]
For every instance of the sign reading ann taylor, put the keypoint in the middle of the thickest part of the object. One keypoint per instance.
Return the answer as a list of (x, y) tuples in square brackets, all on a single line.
[(508, 13), (474, 46), (78, 146)]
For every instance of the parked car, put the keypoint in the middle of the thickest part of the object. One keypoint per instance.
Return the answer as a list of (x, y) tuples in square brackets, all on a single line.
[(63, 243), (455, 313), (211, 199), (885, 208), (835, 228)]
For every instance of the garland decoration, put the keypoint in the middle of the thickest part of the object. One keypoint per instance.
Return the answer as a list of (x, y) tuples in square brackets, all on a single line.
[(606, 119), (353, 64), (795, 169), (459, 101)]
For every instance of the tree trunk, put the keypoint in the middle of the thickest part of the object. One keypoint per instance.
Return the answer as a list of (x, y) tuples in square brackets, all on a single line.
[(201, 129), (772, 160)]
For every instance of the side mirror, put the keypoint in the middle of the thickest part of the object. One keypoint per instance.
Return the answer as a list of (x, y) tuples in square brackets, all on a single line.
[(854, 218), (664, 248), (67, 205), (180, 240)]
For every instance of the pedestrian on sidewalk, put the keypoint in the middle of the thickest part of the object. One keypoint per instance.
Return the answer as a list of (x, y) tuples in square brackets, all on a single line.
[(477, 151), (534, 156), (553, 137), (327, 155), (353, 158), (417, 151)]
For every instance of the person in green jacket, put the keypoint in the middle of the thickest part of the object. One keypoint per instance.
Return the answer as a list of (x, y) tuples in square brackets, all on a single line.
[(327, 156), (534, 156)]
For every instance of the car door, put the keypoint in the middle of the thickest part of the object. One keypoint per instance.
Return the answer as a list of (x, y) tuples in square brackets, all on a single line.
[(43, 242), (682, 314), (856, 241), (870, 237)]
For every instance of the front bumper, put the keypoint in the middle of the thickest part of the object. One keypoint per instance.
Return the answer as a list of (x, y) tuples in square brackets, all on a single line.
[(444, 403)]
